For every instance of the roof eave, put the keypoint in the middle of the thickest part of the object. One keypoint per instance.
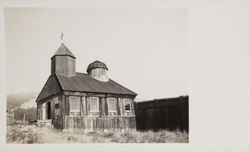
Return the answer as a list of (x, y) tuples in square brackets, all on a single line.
[(63, 55), (100, 92), (60, 85)]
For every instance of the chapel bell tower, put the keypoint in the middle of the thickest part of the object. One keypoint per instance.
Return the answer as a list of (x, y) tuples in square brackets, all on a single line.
[(63, 62)]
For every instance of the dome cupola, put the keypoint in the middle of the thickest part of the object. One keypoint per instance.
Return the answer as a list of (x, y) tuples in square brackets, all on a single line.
[(98, 70)]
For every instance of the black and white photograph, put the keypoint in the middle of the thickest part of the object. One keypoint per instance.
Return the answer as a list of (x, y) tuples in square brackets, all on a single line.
[(97, 75)]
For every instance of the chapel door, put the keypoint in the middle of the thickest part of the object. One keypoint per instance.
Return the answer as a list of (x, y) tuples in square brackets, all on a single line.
[(49, 110)]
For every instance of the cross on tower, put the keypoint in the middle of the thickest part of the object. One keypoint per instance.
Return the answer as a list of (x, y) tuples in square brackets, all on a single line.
[(62, 36)]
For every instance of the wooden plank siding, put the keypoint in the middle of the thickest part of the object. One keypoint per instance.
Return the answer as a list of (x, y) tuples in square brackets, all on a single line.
[(64, 65), (161, 114), (50, 100), (103, 119), (95, 122)]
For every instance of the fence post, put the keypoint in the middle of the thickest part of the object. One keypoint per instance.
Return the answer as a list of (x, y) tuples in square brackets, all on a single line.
[(158, 118)]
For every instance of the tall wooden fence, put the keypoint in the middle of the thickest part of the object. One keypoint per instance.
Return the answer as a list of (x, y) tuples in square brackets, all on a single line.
[(160, 114)]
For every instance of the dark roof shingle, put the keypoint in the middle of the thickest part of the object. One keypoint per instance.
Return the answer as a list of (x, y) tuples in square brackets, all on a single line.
[(63, 50), (85, 83), (51, 87), (96, 64)]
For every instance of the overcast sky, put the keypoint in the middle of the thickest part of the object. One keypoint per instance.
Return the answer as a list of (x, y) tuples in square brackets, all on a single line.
[(145, 49)]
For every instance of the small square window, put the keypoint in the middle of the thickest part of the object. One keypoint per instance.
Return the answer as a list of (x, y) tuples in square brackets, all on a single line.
[(127, 107), (127, 104), (57, 106)]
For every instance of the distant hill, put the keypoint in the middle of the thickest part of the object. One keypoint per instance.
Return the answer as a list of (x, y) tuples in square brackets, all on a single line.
[(15, 101), (29, 104), (22, 104)]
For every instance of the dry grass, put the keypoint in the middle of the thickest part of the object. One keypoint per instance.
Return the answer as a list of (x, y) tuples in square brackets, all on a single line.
[(32, 134)]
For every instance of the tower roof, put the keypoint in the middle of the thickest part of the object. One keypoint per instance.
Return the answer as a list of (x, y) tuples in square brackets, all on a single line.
[(63, 51), (96, 64)]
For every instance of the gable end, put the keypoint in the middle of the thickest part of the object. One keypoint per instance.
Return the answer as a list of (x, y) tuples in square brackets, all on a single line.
[(51, 87)]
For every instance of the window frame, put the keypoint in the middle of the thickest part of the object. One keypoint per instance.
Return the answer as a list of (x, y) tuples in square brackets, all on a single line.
[(90, 102), (56, 106), (124, 104), (70, 100), (115, 104)]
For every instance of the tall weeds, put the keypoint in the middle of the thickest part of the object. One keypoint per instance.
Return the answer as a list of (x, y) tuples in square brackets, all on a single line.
[(32, 134)]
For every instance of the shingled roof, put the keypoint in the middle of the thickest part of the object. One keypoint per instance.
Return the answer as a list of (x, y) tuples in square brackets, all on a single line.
[(83, 83), (96, 64), (63, 50)]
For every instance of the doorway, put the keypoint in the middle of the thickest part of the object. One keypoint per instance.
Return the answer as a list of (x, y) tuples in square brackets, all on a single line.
[(49, 110)]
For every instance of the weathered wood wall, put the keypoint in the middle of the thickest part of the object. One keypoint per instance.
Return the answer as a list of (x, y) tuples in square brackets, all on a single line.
[(64, 65), (55, 112), (160, 114), (62, 118), (103, 107), (95, 122)]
